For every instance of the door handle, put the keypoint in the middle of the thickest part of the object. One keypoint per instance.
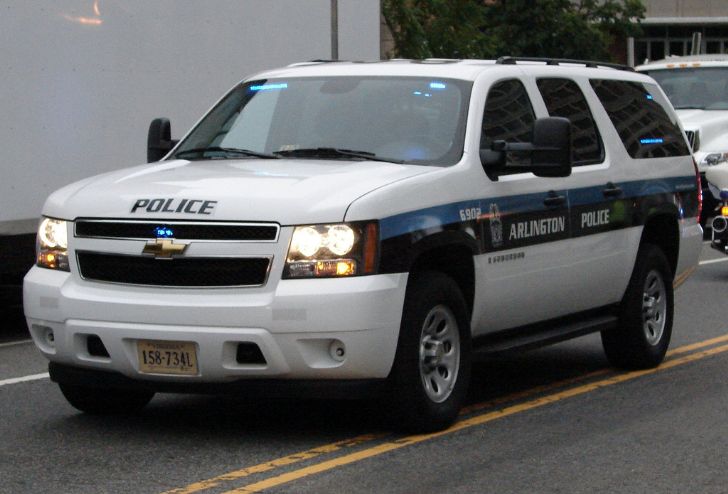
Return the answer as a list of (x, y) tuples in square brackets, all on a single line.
[(612, 190), (554, 200)]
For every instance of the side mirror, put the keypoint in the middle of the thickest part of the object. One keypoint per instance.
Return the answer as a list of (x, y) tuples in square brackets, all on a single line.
[(550, 151), (551, 147), (159, 139)]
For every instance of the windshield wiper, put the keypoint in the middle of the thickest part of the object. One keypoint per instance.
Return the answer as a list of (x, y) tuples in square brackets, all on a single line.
[(324, 152), (689, 107), (234, 151)]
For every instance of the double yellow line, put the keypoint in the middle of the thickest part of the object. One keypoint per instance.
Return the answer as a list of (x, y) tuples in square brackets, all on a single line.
[(674, 360)]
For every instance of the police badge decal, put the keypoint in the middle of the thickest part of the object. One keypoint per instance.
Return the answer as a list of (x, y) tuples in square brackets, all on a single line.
[(496, 226)]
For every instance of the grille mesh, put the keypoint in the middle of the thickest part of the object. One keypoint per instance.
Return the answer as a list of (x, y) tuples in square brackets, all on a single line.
[(197, 231), (182, 272)]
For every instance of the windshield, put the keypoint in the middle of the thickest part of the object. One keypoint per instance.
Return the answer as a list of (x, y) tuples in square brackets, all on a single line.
[(704, 88), (399, 119)]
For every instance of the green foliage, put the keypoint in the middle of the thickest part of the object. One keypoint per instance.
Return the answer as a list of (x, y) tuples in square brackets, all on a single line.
[(437, 28), (582, 29)]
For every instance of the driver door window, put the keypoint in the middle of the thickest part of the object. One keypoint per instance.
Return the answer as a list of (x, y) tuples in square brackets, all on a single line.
[(509, 117)]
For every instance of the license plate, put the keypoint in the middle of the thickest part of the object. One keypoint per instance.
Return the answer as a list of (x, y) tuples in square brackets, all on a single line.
[(167, 357)]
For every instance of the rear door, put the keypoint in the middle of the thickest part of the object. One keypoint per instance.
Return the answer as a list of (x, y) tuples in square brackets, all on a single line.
[(599, 215)]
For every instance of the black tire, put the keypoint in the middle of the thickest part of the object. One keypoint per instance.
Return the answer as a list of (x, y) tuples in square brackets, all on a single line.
[(643, 334), (105, 401), (427, 391)]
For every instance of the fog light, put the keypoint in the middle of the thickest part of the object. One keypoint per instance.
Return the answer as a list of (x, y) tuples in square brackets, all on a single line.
[(337, 351), (46, 334)]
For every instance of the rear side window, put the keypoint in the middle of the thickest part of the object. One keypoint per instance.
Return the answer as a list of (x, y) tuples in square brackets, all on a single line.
[(563, 98), (509, 117), (646, 130)]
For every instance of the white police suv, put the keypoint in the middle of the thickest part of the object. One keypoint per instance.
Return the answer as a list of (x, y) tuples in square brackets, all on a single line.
[(364, 228)]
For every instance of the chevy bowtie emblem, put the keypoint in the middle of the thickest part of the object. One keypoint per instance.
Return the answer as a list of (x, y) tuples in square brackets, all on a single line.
[(164, 248)]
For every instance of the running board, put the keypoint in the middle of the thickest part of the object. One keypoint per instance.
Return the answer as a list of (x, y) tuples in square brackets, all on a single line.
[(539, 335)]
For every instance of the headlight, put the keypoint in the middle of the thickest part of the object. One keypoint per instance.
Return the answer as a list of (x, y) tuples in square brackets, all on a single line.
[(324, 251), (715, 159), (52, 244)]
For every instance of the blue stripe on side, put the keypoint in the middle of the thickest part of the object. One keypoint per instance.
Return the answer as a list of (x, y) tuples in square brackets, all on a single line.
[(422, 219), (435, 217), (637, 188)]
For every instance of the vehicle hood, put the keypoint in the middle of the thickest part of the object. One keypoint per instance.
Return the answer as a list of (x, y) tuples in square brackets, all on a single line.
[(712, 127), (691, 118), (718, 176), (286, 191)]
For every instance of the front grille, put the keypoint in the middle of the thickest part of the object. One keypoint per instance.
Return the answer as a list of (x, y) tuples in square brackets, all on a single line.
[(250, 232), (181, 272)]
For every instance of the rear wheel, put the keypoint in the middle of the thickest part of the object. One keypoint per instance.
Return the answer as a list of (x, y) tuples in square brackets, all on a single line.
[(431, 371), (105, 401), (645, 324)]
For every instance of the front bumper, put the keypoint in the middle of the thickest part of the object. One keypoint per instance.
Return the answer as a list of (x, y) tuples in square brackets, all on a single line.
[(293, 323)]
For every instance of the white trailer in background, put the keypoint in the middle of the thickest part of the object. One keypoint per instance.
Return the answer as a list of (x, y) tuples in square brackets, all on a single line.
[(80, 81)]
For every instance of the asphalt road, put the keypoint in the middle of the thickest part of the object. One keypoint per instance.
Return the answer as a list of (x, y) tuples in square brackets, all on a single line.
[(556, 420)]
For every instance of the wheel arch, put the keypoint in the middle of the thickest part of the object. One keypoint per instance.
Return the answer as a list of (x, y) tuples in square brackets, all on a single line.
[(662, 229), (451, 254)]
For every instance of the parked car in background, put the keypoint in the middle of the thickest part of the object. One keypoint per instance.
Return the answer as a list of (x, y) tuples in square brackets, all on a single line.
[(697, 86)]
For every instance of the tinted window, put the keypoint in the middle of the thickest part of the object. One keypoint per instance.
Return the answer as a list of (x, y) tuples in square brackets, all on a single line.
[(646, 130), (563, 98), (508, 117)]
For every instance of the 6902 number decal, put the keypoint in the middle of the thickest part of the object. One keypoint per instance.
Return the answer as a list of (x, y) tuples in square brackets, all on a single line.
[(468, 214)]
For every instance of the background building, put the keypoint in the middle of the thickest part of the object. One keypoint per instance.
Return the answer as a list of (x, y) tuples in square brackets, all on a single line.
[(669, 25)]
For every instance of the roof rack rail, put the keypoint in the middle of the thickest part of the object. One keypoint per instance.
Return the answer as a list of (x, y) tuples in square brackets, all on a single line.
[(313, 62), (433, 60), (558, 61)]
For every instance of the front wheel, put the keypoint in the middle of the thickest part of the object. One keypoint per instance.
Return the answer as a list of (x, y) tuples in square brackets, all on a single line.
[(645, 321), (431, 371), (105, 401)]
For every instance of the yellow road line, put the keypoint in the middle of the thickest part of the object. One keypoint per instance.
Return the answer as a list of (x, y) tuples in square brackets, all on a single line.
[(545, 388), (355, 441), (347, 443), (700, 344), (467, 423), (683, 277), (270, 465), (542, 388)]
